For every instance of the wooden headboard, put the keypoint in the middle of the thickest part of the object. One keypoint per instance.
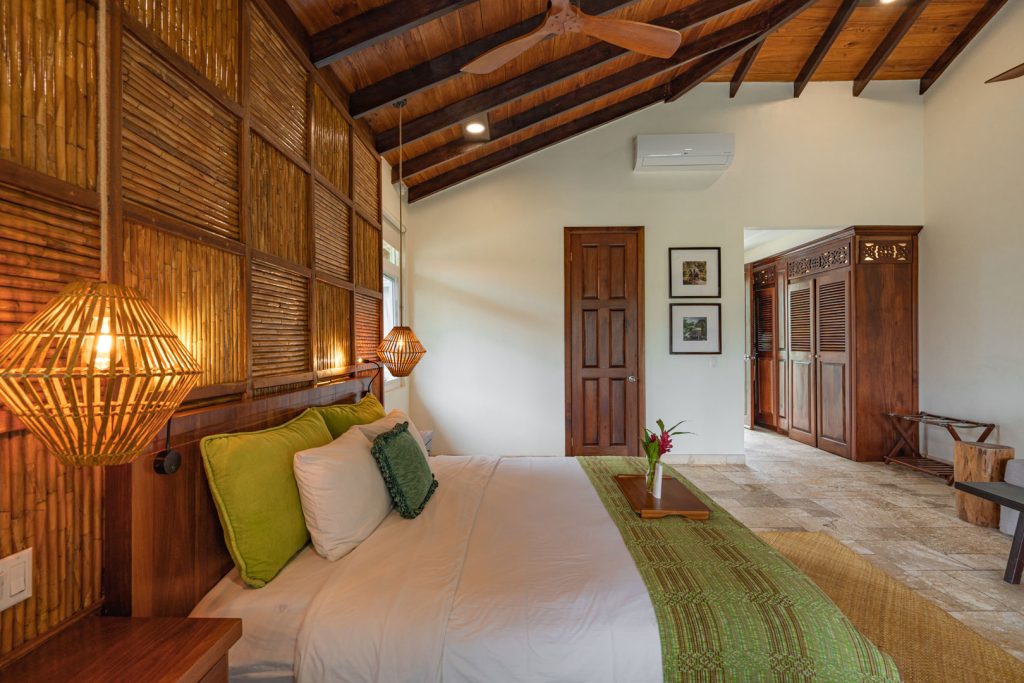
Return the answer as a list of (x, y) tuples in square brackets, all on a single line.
[(163, 547)]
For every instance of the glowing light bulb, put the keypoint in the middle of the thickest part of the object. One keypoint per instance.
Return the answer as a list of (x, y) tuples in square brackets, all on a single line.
[(475, 128), (104, 346)]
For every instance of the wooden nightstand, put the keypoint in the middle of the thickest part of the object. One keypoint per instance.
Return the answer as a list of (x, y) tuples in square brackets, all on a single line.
[(116, 649)]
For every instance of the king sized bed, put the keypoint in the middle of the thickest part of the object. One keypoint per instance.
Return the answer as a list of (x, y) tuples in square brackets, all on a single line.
[(535, 569)]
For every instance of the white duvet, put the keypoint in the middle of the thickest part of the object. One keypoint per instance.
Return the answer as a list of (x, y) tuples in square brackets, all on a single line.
[(514, 572)]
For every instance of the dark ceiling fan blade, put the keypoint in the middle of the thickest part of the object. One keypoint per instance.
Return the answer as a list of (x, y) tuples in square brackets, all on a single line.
[(1015, 72), (506, 52), (647, 39)]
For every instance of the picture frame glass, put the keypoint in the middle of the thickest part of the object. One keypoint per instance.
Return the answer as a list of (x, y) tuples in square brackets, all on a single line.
[(694, 272), (696, 328)]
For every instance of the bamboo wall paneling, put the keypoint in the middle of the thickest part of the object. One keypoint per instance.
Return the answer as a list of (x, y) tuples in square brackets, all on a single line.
[(277, 82), (334, 330), (332, 225), (367, 326), (280, 321), (179, 148), (279, 205), (199, 291), (58, 512), (50, 128), (205, 35), (368, 255), (366, 179), (331, 141)]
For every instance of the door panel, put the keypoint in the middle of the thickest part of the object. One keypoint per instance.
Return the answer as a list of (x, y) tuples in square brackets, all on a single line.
[(782, 395), (603, 341), (832, 315), (764, 321), (802, 418)]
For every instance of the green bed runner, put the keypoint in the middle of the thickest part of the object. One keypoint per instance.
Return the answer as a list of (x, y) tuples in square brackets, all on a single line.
[(729, 606)]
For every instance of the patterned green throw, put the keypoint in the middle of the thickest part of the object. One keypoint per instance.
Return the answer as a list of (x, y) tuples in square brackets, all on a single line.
[(730, 607)]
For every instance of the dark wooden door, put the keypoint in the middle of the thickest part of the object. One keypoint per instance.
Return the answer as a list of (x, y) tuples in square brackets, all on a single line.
[(782, 352), (802, 418), (604, 340), (749, 361), (764, 347), (832, 361)]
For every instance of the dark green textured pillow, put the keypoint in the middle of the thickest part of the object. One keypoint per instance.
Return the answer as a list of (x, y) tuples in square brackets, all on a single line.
[(405, 470)]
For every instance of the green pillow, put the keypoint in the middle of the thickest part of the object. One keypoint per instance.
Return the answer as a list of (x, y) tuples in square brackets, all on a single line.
[(405, 470), (251, 479), (340, 417)]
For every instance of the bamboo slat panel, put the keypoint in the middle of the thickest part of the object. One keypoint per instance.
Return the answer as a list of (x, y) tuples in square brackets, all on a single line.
[(333, 329), (199, 291), (58, 512), (366, 178), (180, 149), (279, 210), (204, 34), (368, 256), (48, 88), (332, 227), (263, 392), (331, 140), (277, 85), (280, 321), (368, 322), (45, 246)]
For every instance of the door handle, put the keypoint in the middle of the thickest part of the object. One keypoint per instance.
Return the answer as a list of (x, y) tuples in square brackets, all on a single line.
[(631, 379)]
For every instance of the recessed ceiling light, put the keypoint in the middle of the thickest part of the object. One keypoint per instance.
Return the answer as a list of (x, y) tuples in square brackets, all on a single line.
[(475, 128), (887, 2)]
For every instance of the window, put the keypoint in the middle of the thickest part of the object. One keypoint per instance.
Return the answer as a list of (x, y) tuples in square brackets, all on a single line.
[(392, 258)]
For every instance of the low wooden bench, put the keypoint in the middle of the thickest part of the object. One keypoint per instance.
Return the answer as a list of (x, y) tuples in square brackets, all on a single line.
[(1011, 496)]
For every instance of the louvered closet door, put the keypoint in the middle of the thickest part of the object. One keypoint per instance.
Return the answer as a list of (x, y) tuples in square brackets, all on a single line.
[(802, 418), (832, 316), (781, 354), (764, 304)]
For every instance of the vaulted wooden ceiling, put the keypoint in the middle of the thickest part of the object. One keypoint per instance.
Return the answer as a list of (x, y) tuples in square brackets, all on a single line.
[(386, 50)]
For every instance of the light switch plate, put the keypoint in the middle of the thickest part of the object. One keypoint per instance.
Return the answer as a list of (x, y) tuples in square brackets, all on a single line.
[(15, 578)]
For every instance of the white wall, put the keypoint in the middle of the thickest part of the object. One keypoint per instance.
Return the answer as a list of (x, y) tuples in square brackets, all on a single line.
[(487, 284), (784, 241), (972, 251)]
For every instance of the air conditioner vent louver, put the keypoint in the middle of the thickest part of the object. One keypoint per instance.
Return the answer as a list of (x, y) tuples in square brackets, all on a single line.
[(689, 152)]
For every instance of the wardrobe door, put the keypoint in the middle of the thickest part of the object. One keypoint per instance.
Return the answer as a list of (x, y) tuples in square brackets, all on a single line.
[(781, 354), (764, 340), (802, 394), (832, 358)]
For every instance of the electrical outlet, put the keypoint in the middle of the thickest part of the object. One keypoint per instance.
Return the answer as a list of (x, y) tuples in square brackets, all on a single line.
[(15, 578)]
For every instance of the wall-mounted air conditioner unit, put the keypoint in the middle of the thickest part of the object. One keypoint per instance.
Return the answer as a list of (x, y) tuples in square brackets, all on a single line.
[(688, 152)]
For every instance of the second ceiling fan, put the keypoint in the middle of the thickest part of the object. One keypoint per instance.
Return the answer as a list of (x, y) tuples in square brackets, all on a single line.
[(564, 17)]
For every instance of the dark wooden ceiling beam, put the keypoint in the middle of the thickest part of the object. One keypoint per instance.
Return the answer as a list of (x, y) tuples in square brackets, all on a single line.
[(978, 22), (745, 30), (543, 76), (536, 143), (777, 17), (375, 26), (443, 67), (743, 68), (835, 27), (892, 39)]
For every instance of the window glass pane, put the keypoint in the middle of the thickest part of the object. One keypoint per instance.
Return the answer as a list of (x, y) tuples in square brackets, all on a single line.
[(390, 254), (390, 310)]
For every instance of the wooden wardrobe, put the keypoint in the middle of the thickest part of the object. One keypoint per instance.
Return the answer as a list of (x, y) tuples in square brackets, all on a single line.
[(833, 339)]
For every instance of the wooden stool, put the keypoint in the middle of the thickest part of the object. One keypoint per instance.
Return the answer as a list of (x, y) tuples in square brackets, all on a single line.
[(973, 461)]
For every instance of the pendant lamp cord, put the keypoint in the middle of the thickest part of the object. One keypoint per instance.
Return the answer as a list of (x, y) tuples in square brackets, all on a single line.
[(401, 218)]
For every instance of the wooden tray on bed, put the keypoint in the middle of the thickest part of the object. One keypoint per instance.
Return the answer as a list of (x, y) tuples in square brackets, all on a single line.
[(675, 499)]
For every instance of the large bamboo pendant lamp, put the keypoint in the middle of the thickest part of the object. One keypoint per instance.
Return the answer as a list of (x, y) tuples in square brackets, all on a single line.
[(95, 374), (400, 350)]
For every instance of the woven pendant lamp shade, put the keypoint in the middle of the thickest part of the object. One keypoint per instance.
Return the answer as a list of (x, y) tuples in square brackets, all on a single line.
[(95, 374), (400, 351)]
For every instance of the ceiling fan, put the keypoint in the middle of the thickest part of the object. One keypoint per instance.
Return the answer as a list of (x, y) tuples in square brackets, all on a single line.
[(1015, 72), (564, 17)]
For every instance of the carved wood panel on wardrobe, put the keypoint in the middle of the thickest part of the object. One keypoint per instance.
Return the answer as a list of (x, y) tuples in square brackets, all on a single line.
[(236, 181)]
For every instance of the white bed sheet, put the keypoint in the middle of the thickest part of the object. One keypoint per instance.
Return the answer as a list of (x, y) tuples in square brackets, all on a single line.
[(514, 572)]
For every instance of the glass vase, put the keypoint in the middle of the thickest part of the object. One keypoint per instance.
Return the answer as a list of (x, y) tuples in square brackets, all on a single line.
[(654, 471)]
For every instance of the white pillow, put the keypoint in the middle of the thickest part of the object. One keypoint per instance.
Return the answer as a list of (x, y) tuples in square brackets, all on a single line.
[(343, 494), (388, 422)]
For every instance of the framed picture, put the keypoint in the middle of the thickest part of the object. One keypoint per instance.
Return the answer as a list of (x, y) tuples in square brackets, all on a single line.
[(694, 273), (695, 328)]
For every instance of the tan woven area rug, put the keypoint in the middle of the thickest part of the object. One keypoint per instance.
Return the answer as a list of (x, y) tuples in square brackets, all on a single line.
[(926, 643)]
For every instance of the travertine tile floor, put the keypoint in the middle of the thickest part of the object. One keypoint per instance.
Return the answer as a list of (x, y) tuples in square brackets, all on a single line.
[(903, 521)]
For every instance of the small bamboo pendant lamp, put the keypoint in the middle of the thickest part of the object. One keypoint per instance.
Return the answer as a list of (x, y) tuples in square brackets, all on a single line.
[(400, 350), (95, 374)]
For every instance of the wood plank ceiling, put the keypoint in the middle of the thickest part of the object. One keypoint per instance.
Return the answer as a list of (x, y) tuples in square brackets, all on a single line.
[(385, 50)]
